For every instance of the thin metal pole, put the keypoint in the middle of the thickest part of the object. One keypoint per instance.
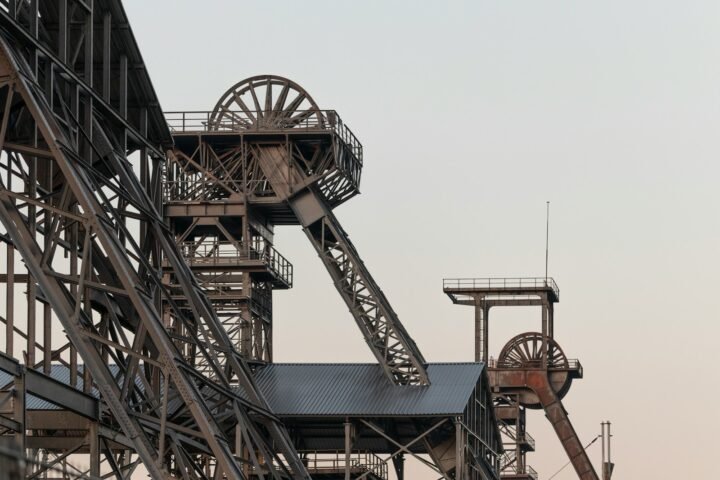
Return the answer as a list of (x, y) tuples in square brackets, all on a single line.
[(609, 436), (602, 434), (547, 238)]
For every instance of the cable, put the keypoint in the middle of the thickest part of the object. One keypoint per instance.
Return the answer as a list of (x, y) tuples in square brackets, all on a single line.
[(568, 463)]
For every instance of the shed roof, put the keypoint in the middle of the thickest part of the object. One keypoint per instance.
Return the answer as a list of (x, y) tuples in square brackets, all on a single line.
[(306, 390), (332, 389)]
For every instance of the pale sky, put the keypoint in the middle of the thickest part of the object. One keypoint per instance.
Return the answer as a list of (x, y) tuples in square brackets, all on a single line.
[(472, 115)]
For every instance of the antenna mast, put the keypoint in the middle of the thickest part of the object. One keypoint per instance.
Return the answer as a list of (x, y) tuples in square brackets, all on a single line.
[(547, 237)]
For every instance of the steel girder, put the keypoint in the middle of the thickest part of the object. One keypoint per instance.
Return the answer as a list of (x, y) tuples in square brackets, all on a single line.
[(67, 151), (386, 336), (384, 333)]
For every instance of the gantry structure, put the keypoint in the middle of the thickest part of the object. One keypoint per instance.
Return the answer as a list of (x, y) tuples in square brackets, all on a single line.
[(270, 155), (139, 275), (531, 371), (267, 155)]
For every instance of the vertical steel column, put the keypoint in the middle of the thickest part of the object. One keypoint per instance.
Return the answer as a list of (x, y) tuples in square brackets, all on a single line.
[(19, 394), (551, 319), (399, 465), (486, 332), (348, 447), (247, 330), (106, 58), (544, 347), (482, 325), (479, 332), (10, 298), (94, 449), (460, 472)]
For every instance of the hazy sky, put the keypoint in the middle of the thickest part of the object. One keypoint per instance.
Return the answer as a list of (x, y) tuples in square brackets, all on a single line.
[(472, 115)]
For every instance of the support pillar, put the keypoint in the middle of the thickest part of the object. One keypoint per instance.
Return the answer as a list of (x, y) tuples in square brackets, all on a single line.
[(94, 448), (482, 339), (486, 330), (10, 298), (479, 343), (399, 464), (19, 410), (459, 451), (248, 322), (545, 333), (348, 447)]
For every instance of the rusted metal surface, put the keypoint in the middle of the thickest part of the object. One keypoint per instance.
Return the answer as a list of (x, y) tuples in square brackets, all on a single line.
[(532, 371)]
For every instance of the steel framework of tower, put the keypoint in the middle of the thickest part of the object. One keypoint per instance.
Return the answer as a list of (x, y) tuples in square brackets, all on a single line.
[(154, 325), (76, 104), (273, 157), (531, 371), (267, 155), (148, 238)]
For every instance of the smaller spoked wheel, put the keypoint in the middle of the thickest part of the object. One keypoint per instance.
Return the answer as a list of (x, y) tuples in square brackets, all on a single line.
[(525, 351), (266, 102)]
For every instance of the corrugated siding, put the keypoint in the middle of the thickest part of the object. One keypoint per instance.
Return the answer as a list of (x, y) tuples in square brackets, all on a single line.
[(363, 390)]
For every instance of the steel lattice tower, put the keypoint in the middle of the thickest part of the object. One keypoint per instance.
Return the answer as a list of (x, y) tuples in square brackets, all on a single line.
[(75, 107)]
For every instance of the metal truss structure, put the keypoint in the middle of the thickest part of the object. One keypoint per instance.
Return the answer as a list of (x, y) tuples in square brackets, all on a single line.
[(273, 157), (531, 372), (139, 270), (91, 235)]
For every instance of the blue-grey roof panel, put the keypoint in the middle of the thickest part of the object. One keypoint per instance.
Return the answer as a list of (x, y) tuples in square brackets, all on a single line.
[(340, 390), (364, 390)]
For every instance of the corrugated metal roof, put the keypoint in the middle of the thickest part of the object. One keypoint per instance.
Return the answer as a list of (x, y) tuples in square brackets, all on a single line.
[(58, 372), (301, 389), (363, 390)]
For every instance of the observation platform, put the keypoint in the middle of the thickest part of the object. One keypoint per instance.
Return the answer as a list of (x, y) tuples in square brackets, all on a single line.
[(462, 290), (246, 122), (313, 147)]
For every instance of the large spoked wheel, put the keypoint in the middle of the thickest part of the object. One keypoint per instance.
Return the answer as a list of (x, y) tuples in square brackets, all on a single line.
[(266, 102), (525, 352)]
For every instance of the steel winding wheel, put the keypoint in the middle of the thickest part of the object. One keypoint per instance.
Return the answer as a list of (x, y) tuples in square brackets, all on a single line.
[(525, 352), (266, 102)]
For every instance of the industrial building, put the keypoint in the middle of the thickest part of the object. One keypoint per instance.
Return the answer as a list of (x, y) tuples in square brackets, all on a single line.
[(138, 273)]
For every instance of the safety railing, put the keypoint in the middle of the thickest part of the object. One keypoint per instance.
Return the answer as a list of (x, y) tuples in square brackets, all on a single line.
[(360, 462), (500, 283), (223, 254), (261, 121), (527, 439), (511, 434), (509, 465), (571, 364)]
